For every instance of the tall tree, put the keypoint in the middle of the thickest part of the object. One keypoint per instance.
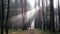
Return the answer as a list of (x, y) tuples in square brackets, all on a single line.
[(39, 15), (43, 23), (24, 14), (2, 16), (7, 17), (59, 14), (23, 6), (46, 16), (52, 25)]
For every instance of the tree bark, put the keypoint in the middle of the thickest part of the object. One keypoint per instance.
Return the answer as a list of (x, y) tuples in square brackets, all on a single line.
[(52, 25), (46, 16), (43, 23), (7, 17), (59, 14), (2, 17)]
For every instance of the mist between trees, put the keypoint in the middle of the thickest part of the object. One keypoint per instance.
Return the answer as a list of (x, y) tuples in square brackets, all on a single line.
[(29, 14)]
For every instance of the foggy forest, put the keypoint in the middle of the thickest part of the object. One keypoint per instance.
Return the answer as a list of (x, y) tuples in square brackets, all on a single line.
[(29, 16)]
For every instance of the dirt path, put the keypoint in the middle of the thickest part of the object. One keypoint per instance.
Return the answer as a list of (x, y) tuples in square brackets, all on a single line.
[(28, 31), (31, 32)]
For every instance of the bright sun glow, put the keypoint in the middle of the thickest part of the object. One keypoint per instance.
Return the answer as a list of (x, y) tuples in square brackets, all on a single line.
[(55, 3), (31, 2)]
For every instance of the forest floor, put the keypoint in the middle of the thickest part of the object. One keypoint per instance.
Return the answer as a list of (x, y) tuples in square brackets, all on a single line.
[(30, 31)]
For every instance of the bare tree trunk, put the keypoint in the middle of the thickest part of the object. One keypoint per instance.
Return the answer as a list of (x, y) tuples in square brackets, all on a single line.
[(46, 16), (7, 18), (2, 17), (24, 7), (52, 24), (43, 23), (25, 10), (59, 14), (39, 15), (22, 14)]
